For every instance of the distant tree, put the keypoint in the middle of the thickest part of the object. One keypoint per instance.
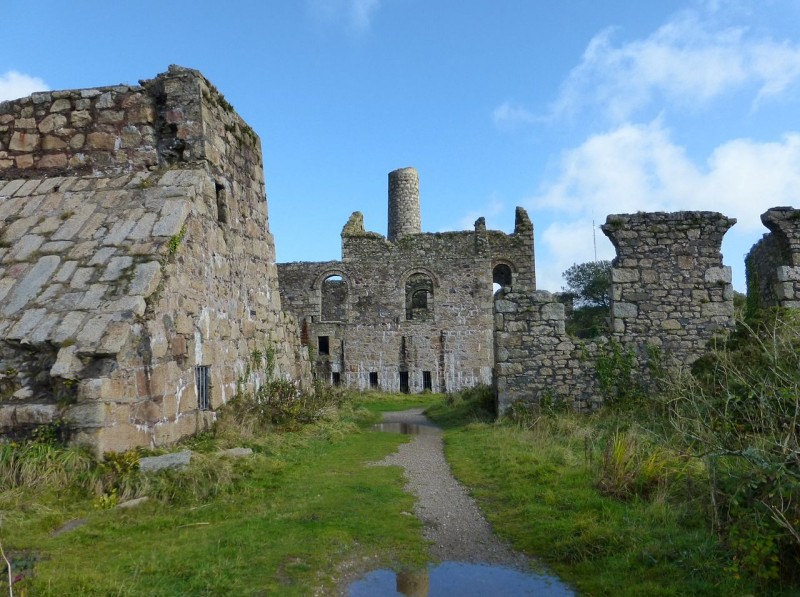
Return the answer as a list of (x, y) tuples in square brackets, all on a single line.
[(589, 283)]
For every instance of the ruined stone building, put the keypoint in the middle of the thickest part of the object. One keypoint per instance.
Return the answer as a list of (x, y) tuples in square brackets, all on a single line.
[(670, 295), (139, 290), (411, 311), (138, 286)]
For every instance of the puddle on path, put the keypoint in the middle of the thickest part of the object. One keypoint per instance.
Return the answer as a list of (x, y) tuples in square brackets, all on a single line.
[(405, 428), (457, 579)]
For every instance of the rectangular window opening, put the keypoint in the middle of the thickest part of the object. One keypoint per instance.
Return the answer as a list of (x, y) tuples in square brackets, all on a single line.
[(427, 382), (336, 378), (202, 380), (404, 382), (373, 379), (324, 344)]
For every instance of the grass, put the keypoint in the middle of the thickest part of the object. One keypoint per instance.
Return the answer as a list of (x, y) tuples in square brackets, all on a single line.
[(285, 521), (539, 486), (602, 502)]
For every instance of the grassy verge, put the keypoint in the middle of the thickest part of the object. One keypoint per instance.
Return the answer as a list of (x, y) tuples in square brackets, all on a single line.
[(294, 517), (538, 486)]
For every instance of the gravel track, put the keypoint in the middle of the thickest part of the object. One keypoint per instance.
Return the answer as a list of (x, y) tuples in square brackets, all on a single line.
[(453, 523)]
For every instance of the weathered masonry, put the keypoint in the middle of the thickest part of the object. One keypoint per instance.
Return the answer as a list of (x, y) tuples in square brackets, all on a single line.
[(773, 264), (670, 294), (138, 286), (411, 311)]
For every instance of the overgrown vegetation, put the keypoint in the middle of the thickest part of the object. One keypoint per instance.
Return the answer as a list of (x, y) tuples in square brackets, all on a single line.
[(693, 491), (739, 411), (284, 520)]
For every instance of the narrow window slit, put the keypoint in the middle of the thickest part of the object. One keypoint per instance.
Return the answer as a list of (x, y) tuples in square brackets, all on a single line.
[(202, 380)]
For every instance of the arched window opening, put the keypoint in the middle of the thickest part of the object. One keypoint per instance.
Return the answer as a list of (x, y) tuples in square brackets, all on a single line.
[(419, 297), (333, 291), (501, 276)]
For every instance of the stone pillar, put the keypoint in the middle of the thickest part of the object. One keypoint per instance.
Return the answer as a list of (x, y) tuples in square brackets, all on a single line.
[(773, 264), (669, 288), (404, 218)]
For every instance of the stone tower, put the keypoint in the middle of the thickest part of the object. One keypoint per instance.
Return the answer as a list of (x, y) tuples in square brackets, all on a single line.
[(404, 216)]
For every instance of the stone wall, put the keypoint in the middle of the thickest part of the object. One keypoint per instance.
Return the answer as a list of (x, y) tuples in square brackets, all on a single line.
[(670, 294), (535, 360), (414, 313), (133, 260), (773, 264), (669, 287), (79, 132)]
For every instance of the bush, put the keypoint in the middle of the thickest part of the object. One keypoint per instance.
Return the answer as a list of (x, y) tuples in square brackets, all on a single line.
[(279, 404), (738, 410)]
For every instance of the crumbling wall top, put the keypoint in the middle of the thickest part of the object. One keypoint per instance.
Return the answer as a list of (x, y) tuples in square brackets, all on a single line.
[(177, 117), (784, 223), (647, 234)]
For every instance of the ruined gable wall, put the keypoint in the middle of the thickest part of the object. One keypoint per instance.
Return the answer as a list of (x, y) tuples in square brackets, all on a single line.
[(670, 294), (516, 250), (773, 264)]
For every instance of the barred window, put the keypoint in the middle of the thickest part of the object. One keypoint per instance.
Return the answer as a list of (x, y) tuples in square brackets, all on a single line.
[(202, 380)]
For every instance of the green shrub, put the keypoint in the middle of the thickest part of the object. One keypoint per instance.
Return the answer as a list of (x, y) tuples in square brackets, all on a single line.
[(738, 410), (279, 403)]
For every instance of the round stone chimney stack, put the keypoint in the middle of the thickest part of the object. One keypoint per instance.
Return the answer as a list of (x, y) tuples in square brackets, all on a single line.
[(404, 216)]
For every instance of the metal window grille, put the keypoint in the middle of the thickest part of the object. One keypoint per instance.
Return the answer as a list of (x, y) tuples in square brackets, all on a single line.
[(202, 380)]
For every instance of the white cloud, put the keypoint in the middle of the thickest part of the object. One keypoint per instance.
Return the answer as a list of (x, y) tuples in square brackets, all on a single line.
[(510, 114), (638, 168), (688, 62), (562, 244), (14, 85), (357, 14)]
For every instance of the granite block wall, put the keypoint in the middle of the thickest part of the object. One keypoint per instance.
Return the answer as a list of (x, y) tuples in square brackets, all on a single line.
[(670, 295), (135, 249)]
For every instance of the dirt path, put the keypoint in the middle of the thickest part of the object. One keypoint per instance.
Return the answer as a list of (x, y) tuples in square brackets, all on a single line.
[(457, 529)]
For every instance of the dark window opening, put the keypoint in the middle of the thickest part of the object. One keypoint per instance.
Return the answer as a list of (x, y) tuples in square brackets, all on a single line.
[(404, 382), (222, 204), (324, 344), (202, 380), (333, 298), (336, 378), (419, 297), (304, 333), (373, 379), (501, 276), (427, 381)]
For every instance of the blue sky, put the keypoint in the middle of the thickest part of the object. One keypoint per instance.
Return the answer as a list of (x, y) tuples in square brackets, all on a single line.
[(573, 109)]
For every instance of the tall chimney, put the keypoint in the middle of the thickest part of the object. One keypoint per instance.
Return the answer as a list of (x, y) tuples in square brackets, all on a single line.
[(404, 218)]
